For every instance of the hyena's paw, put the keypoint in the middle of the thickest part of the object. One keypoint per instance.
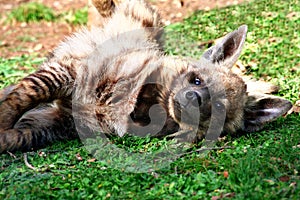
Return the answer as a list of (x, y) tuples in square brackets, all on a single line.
[(99, 10), (105, 7), (15, 139), (4, 92), (13, 103), (6, 108), (38, 128), (140, 11), (36, 88)]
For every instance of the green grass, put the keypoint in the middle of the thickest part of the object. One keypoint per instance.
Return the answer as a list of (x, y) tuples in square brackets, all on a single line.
[(262, 165), (32, 11), (36, 12), (13, 69), (77, 17)]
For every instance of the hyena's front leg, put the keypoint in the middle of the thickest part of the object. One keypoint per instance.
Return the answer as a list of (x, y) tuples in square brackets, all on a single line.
[(41, 86), (38, 128)]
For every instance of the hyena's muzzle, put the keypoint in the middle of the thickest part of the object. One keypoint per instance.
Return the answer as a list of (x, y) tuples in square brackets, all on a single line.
[(192, 105)]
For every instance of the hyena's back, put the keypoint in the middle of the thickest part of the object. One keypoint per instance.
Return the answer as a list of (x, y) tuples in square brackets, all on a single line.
[(45, 121)]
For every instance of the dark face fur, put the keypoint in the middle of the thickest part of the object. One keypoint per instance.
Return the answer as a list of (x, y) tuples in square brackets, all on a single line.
[(191, 99), (205, 96)]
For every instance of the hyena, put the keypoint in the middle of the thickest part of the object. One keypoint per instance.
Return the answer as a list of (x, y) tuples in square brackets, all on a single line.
[(108, 79)]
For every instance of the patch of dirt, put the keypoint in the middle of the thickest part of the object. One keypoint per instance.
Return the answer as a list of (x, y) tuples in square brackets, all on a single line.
[(26, 38), (175, 10)]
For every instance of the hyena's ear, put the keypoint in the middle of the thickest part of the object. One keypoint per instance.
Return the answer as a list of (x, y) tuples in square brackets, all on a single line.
[(261, 109), (227, 52)]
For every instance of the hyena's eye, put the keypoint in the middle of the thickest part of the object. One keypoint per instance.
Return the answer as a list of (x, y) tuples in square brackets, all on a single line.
[(197, 81), (219, 106), (194, 79)]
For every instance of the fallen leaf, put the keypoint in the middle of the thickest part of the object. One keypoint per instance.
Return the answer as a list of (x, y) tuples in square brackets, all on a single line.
[(92, 160), (297, 146), (284, 178), (38, 47), (294, 69), (276, 159), (270, 14), (4, 43), (271, 182), (78, 157), (227, 195), (23, 24), (215, 197), (293, 15), (225, 174), (295, 108), (42, 154), (293, 184)]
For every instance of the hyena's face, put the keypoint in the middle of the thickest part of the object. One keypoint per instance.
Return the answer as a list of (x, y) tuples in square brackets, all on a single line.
[(202, 95), (191, 97), (209, 94), (196, 94)]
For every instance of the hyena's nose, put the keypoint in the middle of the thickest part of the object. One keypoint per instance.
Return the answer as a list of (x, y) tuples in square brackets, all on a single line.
[(193, 97)]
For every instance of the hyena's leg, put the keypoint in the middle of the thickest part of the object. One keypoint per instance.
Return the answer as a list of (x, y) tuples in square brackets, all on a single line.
[(41, 86), (4, 92), (136, 15), (38, 128), (99, 10)]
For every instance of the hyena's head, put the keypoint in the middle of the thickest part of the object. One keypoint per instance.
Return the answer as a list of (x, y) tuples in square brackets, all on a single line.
[(209, 97)]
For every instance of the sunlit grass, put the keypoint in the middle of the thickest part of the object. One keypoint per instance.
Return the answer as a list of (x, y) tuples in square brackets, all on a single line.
[(262, 165)]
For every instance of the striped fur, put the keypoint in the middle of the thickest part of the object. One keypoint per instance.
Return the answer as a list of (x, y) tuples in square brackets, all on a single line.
[(37, 110), (109, 78)]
